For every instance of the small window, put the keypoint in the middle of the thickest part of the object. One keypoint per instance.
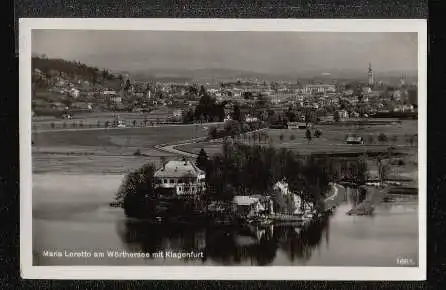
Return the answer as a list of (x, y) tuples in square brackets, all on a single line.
[(172, 181), (165, 180)]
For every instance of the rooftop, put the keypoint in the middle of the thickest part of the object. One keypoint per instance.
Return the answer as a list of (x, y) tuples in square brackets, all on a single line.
[(178, 168), (244, 200)]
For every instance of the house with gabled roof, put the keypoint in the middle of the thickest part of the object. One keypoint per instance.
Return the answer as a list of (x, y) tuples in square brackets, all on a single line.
[(180, 177)]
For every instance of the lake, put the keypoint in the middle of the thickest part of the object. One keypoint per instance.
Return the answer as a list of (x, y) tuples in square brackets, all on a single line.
[(71, 215)]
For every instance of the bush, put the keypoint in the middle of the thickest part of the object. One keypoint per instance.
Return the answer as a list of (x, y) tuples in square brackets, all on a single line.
[(213, 132), (136, 192), (382, 138)]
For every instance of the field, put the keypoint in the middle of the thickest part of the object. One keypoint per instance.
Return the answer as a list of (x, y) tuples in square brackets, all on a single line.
[(100, 150), (91, 119), (332, 139), (105, 150)]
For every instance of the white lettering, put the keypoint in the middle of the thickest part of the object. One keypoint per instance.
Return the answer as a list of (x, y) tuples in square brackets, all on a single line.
[(47, 253)]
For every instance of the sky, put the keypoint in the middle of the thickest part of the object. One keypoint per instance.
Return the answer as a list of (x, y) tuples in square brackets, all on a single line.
[(262, 52)]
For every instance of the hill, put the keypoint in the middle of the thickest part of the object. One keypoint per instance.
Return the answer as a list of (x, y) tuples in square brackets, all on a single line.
[(73, 70)]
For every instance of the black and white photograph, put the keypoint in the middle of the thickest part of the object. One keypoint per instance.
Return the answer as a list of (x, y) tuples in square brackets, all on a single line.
[(221, 148)]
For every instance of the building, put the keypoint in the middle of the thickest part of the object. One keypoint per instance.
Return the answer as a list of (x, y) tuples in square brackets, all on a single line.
[(371, 77), (180, 177), (354, 140), (74, 92), (319, 88), (247, 205), (299, 205), (178, 114), (343, 114), (250, 119), (298, 125)]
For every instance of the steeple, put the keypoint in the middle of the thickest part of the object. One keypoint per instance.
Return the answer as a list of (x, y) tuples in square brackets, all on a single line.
[(370, 75)]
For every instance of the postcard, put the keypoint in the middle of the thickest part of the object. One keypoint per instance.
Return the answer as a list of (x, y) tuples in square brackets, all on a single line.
[(247, 149)]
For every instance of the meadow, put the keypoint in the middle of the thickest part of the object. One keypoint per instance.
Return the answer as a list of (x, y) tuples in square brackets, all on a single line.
[(93, 119), (105, 150), (332, 143), (332, 139)]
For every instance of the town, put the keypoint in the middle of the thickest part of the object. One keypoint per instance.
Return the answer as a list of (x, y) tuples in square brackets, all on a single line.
[(77, 96), (74, 88)]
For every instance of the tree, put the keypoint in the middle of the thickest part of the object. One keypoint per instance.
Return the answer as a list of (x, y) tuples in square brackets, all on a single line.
[(383, 170), (203, 91), (308, 135), (411, 139), (202, 160), (236, 114), (232, 128), (213, 132), (336, 116), (135, 192), (382, 138), (394, 139)]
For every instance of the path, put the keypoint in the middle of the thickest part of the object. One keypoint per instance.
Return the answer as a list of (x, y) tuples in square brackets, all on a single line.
[(334, 199), (171, 148)]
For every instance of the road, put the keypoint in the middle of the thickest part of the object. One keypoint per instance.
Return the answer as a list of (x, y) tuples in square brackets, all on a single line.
[(116, 128), (336, 198), (171, 148)]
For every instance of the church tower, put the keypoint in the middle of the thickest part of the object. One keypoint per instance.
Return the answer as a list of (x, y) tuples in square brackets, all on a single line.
[(370, 76)]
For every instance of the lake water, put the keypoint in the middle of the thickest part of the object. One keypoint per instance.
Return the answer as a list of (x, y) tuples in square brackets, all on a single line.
[(71, 214)]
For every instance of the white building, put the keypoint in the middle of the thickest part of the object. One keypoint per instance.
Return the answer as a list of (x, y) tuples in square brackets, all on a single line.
[(74, 92), (251, 119), (181, 177), (247, 205), (299, 205), (319, 88)]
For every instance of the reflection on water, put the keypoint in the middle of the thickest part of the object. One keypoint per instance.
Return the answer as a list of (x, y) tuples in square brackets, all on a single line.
[(79, 219), (226, 245)]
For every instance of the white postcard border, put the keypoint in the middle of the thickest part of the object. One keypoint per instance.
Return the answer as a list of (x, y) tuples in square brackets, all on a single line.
[(207, 272)]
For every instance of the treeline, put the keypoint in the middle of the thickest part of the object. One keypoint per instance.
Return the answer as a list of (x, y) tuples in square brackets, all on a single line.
[(246, 170), (207, 110), (234, 128)]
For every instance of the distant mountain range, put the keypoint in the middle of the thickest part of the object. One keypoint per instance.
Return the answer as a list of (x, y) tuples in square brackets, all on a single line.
[(224, 74)]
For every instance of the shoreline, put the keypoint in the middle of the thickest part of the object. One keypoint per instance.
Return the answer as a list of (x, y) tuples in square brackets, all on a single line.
[(367, 206)]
